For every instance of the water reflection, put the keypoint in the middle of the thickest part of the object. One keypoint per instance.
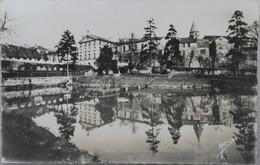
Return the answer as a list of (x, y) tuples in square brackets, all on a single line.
[(159, 122)]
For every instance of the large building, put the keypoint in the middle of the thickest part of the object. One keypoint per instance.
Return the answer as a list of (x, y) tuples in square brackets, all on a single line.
[(89, 48), (194, 46)]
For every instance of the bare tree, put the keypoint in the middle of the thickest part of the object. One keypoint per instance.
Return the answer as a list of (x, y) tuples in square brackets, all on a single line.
[(6, 25)]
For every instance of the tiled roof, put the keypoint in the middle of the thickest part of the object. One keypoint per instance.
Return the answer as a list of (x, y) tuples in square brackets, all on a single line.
[(94, 37), (187, 40), (212, 37), (128, 40), (191, 40)]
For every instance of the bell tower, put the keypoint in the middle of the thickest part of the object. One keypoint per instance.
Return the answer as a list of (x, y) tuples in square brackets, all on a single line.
[(194, 33)]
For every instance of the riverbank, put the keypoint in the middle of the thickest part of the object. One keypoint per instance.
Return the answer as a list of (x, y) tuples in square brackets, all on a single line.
[(177, 82), (24, 141)]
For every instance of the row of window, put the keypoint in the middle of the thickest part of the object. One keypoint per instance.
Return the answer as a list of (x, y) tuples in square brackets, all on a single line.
[(88, 57), (93, 43), (202, 52)]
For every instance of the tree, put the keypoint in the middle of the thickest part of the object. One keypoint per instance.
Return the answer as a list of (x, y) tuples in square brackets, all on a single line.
[(105, 60), (192, 54), (171, 56), (244, 120), (238, 36), (132, 49), (5, 28), (253, 33), (66, 119), (66, 49), (149, 50), (154, 117), (6, 25), (213, 54)]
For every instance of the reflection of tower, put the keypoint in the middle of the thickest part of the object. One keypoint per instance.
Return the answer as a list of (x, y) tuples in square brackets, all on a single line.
[(198, 130)]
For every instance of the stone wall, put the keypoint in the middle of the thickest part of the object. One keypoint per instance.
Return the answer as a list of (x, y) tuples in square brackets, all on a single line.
[(38, 81)]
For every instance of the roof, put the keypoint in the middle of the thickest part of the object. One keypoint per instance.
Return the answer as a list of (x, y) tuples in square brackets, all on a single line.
[(187, 40), (209, 37), (129, 41), (193, 27), (94, 38), (191, 40), (42, 48)]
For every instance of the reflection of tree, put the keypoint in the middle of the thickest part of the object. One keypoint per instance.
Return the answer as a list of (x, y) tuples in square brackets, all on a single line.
[(245, 138), (66, 118), (215, 111), (105, 107), (154, 120), (174, 116)]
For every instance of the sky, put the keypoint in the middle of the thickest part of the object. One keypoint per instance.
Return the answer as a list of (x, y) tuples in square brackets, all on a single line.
[(42, 22)]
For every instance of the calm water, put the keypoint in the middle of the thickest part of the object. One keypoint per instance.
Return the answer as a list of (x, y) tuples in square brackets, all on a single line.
[(146, 126)]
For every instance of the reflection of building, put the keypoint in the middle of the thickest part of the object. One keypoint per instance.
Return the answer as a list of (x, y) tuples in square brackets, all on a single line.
[(89, 117), (130, 110)]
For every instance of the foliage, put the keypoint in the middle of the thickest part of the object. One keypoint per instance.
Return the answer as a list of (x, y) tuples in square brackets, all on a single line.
[(66, 120), (191, 55), (149, 50), (245, 137), (213, 54), (105, 60), (66, 48), (153, 115), (174, 116), (238, 36), (253, 33), (171, 56)]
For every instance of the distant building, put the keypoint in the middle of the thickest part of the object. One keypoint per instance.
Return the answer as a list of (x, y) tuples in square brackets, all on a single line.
[(130, 48), (200, 47), (89, 48)]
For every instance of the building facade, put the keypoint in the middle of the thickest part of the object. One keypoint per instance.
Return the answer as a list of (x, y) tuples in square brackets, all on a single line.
[(193, 47), (89, 48)]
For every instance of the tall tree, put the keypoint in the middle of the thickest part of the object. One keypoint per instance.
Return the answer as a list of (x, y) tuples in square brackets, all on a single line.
[(149, 50), (132, 50), (213, 55), (67, 50), (238, 36), (105, 60), (171, 56)]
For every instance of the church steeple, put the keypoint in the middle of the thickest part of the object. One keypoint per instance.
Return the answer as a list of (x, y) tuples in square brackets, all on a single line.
[(194, 33)]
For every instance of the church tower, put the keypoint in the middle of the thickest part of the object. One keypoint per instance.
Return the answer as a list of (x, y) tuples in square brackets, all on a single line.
[(194, 33)]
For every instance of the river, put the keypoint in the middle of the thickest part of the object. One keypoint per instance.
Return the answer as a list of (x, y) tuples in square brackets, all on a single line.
[(138, 126)]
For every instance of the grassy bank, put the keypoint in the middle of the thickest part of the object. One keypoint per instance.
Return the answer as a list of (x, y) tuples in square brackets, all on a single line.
[(24, 141)]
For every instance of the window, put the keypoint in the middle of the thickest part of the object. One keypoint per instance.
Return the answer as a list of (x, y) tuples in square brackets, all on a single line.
[(100, 42), (94, 55), (202, 44), (88, 56), (188, 44), (203, 52), (183, 52), (89, 44), (123, 48)]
